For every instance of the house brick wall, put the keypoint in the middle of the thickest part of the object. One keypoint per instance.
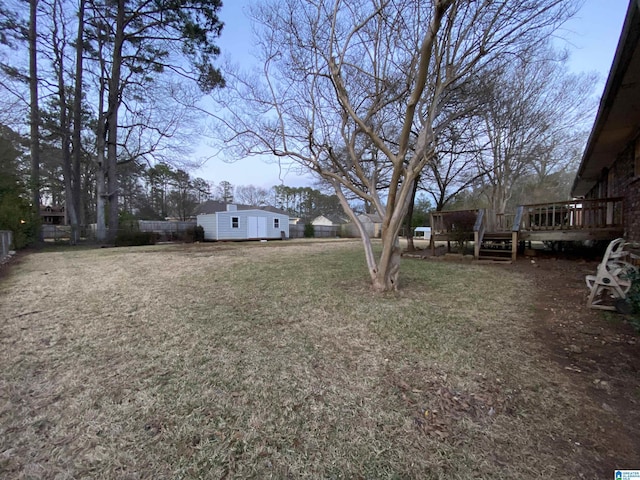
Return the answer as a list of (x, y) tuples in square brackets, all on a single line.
[(623, 180), (632, 210)]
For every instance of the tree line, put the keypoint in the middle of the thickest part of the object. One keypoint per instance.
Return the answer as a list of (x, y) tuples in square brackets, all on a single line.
[(155, 192), (107, 83)]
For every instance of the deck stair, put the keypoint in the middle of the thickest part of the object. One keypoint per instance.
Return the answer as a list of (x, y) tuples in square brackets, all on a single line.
[(495, 247)]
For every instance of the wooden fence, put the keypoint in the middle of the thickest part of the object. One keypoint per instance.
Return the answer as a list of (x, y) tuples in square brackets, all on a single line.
[(6, 242), (165, 226), (319, 231), (55, 232), (166, 230), (62, 233)]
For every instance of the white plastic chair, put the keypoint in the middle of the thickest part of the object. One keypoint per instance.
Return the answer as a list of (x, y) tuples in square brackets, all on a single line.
[(611, 281)]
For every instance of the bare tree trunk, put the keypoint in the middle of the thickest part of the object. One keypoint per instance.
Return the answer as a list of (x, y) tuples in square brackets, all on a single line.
[(77, 127), (410, 246), (59, 40), (112, 122), (101, 204), (387, 274), (384, 271), (373, 124), (101, 227), (70, 206), (34, 117), (498, 204)]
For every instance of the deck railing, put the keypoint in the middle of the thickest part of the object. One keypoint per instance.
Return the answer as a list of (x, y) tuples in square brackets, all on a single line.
[(453, 225), (504, 222), (601, 216), (517, 219), (441, 222), (573, 215)]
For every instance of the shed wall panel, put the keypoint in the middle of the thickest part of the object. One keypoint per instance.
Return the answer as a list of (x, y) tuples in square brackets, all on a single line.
[(208, 223)]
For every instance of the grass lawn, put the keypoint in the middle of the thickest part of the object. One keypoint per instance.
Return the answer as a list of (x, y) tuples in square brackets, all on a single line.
[(273, 360)]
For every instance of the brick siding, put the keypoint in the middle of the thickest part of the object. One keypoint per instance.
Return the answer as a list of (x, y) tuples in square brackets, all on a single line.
[(625, 182)]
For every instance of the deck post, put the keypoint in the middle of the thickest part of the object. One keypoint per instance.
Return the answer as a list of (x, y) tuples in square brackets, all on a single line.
[(478, 232), (514, 246), (476, 245), (432, 242)]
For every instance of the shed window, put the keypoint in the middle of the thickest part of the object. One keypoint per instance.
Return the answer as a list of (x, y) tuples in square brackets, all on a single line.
[(235, 223), (276, 223)]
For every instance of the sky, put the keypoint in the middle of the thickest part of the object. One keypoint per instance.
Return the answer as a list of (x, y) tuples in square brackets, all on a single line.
[(591, 38)]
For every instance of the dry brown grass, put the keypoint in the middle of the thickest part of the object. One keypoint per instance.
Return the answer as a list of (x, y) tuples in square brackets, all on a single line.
[(272, 361)]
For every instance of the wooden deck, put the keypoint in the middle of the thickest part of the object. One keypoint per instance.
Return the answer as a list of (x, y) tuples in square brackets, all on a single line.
[(597, 219), (575, 220)]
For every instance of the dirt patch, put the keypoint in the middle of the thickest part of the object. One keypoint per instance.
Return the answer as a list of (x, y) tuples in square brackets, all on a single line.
[(599, 350)]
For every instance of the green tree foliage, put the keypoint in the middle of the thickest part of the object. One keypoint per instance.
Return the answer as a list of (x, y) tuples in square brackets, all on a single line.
[(133, 60), (309, 230), (15, 209), (306, 202), (421, 212), (136, 41), (182, 197), (160, 191), (633, 298)]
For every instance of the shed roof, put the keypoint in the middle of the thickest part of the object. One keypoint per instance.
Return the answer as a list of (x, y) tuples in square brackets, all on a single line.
[(214, 206), (254, 210), (619, 111)]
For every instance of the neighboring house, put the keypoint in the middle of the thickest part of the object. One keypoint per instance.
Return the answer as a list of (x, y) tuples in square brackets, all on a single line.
[(372, 223), (244, 224), (210, 206), (53, 215), (610, 165), (328, 221)]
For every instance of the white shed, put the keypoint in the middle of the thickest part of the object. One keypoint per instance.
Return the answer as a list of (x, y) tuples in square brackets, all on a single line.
[(244, 225)]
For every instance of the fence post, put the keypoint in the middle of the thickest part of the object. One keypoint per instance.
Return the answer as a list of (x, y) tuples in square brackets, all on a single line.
[(6, 240)]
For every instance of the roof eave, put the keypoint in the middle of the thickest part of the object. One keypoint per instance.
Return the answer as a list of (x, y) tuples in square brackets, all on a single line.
[(626, 44)]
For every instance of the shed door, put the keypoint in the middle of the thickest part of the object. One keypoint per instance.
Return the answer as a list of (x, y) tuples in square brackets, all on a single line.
[(256, 227)]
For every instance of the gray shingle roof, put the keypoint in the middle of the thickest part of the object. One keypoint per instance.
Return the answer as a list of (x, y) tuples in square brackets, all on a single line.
[(213, 206)]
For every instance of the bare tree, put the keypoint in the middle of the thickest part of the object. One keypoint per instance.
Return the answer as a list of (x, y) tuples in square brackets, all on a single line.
[(134, 42), (34, 115), (355, 91), (533, 123), (74, 173), (224, 191), (454, 167), (251, 195), (63, 129)]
